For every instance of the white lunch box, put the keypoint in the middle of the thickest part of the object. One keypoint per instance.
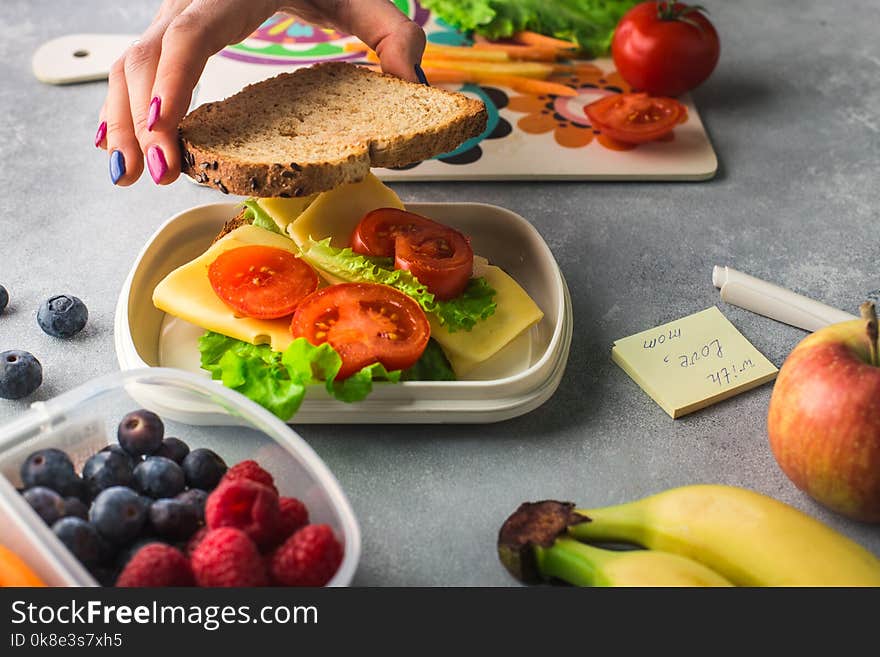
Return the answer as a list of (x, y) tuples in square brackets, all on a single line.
[(518, 379)]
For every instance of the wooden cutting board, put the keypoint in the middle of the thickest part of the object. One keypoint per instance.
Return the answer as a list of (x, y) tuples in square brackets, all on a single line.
[(528, 137)]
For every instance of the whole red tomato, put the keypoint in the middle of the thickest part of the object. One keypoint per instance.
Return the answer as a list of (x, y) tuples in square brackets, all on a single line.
[(665, 48)]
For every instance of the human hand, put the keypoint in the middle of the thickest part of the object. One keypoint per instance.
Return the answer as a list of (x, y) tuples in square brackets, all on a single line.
[(150, 86)]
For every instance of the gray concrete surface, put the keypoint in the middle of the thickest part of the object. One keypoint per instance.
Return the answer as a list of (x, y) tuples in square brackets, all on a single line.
[(793, 112)]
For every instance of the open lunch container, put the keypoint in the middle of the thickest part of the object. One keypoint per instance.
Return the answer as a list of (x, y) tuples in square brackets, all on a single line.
[(518, 379), (83, 420)]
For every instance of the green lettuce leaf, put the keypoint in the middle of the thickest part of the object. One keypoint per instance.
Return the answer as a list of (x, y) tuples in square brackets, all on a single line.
[(589, 23), (255, 371), (360, 384), (278, 381), (259, 217), (432, 366), (463, 312)]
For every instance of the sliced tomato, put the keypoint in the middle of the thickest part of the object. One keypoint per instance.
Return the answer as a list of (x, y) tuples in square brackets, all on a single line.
[(442, 260), (365, 323), (635, 118), (376, 232), (440, 257), (261, 281)]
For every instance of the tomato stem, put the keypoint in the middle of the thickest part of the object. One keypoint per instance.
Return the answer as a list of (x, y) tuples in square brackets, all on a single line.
[(869, 314), (676, 11)]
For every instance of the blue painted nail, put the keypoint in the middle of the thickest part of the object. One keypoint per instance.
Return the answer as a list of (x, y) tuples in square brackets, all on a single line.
[(117, 166), (420, 74)]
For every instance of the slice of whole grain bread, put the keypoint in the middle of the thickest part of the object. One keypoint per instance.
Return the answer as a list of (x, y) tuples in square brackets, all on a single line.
[(316, 128)]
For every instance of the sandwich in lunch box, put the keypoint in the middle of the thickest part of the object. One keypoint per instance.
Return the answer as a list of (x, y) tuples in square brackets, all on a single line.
[(324, 277)]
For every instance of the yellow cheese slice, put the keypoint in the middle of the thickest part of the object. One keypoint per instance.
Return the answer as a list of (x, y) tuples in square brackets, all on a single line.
[(514, 313), (187, 293), (285, 210), (336, 213)]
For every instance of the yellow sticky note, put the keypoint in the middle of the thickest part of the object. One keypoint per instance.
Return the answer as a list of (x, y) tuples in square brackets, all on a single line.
[(692, 362)]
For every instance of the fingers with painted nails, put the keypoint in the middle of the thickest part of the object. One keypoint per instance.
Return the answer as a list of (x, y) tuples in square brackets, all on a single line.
[(150, 86)]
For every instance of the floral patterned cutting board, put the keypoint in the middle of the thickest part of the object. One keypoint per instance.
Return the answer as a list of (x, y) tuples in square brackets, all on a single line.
[(528, 137)]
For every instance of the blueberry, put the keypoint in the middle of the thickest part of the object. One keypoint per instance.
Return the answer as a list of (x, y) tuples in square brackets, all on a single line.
[(20, 374), (81, 538), (51, 468), (62, 316), (173, 519), (48, 504), (195, 498), (106, 469), (117, 449), (75, 507), (159, 477), (203, 469), (140, 432), (174, 449), (4, 299), (119, 514)]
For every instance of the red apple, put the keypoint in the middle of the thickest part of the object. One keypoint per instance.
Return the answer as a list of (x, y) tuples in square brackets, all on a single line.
[(824, 417)]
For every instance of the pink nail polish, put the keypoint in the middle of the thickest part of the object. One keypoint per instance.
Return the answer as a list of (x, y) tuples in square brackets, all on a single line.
[(101, 134), (156, 163), (153, 114)]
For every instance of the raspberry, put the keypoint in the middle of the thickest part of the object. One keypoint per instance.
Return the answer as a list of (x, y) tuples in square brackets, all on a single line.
[(157, 564), (308, 558), (245, 505), (250, 470), (294, 515), (227, 557)]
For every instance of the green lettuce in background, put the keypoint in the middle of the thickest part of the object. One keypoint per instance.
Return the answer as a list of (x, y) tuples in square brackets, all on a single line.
[(278, 380), (589, 23)]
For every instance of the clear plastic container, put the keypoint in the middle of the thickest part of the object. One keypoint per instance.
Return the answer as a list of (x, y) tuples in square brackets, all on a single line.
[(84, 420)]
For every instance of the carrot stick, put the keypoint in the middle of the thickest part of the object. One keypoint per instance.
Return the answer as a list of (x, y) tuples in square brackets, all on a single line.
[(523, 69), (459, 55), (479, 52), (515, 82), (531, 86), (490, 52), (529, 38), (356, 46), (519, 52), (466, 52)]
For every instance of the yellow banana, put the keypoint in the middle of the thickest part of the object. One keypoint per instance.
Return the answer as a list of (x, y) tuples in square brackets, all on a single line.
[(751, 539), (533, 546), (586, 565)]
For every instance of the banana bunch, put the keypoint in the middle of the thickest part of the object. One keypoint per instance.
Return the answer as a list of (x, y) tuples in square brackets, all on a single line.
[(705, 535)]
